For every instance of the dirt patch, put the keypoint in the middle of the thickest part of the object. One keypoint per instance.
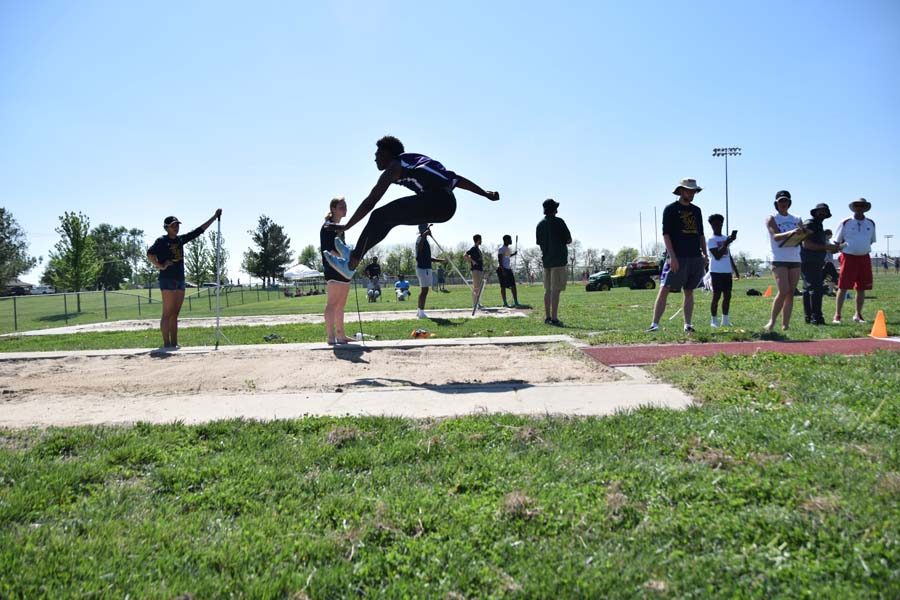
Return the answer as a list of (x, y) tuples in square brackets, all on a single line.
[(257, 371)]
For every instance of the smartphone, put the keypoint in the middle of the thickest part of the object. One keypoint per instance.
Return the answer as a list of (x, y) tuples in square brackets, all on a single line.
[(734, 234)]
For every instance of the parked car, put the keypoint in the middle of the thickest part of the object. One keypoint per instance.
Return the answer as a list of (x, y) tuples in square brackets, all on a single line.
[(43, 289), (15, 290)]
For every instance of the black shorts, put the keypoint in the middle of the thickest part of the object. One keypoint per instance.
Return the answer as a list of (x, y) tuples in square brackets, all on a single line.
[(721, 282), (506, 277)]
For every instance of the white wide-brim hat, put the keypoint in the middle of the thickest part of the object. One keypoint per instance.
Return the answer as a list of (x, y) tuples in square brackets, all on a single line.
[(688, 184)]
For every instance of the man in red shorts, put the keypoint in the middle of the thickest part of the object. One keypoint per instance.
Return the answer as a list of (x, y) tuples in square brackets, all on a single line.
[(855, 235)]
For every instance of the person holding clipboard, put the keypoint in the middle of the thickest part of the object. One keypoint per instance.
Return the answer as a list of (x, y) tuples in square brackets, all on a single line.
[(786, 233)]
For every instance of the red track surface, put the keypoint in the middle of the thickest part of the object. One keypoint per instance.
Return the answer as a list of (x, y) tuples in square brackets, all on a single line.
[(620, 356)]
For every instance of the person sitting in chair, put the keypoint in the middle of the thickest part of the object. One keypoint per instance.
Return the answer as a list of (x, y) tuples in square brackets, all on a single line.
[(401, 288)]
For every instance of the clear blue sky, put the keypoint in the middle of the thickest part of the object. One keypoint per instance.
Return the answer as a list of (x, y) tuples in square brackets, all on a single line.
[(130, 111)]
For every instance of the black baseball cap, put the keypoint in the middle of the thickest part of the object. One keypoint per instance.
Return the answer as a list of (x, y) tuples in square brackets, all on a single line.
[(551, 204), (170, 221), (782, 194)]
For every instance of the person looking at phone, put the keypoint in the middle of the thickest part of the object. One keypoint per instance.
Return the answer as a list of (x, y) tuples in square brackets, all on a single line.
[(721, 266)]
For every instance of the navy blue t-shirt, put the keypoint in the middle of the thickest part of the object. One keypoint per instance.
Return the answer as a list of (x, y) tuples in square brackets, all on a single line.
[(326, 244), (423, 174), (684, 226), (423, 253), (477, 258), (166, 248)]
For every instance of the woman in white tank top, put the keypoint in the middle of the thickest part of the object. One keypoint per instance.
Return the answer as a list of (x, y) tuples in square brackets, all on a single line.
[(785, 259)]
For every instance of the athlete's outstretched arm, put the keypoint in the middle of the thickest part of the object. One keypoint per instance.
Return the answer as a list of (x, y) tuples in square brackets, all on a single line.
[(381, 186), (470, 186)]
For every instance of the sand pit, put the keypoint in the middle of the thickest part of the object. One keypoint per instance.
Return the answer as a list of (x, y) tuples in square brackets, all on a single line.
[(274, 370)]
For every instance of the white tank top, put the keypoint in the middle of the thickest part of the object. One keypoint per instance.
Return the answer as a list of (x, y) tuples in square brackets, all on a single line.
[(784, 254)]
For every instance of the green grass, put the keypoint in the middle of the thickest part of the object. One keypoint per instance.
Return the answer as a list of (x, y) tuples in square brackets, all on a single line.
[(616, 317), (782, 483)]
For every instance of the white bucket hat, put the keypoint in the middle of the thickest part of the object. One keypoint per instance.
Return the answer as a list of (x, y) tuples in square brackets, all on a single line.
[(688, 184)]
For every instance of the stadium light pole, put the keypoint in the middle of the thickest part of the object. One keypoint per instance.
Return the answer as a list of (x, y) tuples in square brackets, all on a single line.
[(726, 152)]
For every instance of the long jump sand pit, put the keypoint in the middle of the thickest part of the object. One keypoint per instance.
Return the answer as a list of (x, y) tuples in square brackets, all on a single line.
[(277, 382)]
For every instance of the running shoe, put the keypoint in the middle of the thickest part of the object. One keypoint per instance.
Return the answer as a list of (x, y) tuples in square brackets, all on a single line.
[(653, 328), (688, 329), (858, 319), (343, 248), (714, 322), (836, 321), (725, 321), (341, 265)]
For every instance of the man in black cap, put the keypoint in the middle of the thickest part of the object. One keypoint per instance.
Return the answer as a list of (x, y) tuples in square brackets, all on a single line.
[(812, 264), (553, 236)]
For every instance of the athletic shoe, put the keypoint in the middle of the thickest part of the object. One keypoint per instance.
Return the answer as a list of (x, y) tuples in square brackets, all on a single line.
[(341, 265), (343, 248), (836, 321), (505, 305), (653, 328), (714, 322), (725, 321), (548, 321), (421, 314), (556, 323), (857, 319), (688, 329)]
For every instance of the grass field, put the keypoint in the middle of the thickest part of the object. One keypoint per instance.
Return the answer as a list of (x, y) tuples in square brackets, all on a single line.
[(783, 482), (616, 317)]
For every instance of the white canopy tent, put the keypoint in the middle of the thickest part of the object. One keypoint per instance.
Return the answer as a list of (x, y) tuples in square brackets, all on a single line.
[(301, 272)]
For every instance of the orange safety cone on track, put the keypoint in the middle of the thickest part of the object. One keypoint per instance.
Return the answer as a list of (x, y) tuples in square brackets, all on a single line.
[(768, 292), (879, 328)]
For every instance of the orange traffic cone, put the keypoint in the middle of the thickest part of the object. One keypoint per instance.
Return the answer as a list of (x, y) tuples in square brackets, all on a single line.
[(879, 329), (768, 292)]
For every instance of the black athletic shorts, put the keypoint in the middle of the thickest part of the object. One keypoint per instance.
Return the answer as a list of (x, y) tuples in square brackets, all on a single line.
[(721, 282)]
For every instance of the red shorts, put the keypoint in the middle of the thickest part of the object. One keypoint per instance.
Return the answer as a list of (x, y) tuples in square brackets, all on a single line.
[(856, 272)]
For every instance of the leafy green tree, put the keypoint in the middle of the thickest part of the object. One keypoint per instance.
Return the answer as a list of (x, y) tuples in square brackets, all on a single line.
[(625, 255), (310, 257), (198, 262), (14, 259), (273, 253), (223, 256), (111, 246), (74, 264), (136, 254)]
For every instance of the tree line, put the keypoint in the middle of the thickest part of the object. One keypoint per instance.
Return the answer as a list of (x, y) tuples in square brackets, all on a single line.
[(112, 257)]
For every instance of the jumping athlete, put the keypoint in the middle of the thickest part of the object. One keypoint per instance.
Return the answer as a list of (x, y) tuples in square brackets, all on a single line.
[(433, 201)]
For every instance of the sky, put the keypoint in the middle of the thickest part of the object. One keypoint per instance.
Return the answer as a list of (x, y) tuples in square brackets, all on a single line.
[(132, 111)]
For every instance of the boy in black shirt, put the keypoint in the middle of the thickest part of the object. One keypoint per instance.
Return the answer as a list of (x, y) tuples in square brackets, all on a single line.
[(685, 243)]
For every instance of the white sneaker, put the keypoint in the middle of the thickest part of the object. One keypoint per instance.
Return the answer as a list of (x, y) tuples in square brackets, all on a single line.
[(714, 322), (653, 328), (421, 314), (725, 321)]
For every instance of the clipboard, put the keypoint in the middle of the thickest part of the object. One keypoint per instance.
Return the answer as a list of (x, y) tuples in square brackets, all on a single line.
[(795, 239)]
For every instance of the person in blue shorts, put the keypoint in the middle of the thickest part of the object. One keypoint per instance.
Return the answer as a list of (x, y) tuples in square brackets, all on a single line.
[(432, 200), (167, 255)]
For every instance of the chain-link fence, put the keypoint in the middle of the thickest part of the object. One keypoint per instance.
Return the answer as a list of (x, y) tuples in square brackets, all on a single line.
[(24, 313)]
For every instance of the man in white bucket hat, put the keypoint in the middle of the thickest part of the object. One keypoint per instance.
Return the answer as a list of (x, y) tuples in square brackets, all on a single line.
[(855, 235), (687, 254)]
